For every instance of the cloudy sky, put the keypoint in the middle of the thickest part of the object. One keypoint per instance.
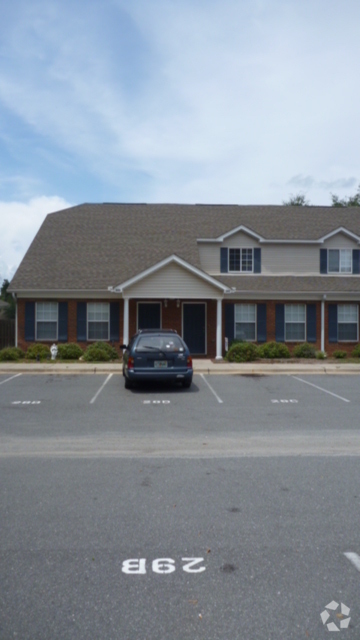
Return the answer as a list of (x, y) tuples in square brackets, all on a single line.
[(188, 101)]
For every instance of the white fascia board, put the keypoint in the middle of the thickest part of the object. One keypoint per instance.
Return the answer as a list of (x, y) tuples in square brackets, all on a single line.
[(341, 230), (163, 263), (231, 233)]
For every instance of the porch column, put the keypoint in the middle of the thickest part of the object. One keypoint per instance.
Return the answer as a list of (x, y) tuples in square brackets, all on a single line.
[(322, 345), (126, 321), (219, 329)]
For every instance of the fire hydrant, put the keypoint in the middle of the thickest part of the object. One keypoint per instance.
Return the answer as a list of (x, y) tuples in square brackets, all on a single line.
[(53, 351)]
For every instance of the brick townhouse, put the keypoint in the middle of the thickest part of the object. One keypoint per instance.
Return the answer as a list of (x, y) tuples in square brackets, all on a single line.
[(214, 273)]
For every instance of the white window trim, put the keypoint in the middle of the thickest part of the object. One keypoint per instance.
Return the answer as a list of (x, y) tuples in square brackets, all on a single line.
[(87, 324), (241, 250), (293, 322), (37, 320), (255, 322), (357, 322), (340, 273)]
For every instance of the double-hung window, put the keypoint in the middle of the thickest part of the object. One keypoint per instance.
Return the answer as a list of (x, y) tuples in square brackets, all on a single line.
[(98, 320), (47, 320), (241, 260), (348, 323), (245, 321), (295, 322), (340, 261)]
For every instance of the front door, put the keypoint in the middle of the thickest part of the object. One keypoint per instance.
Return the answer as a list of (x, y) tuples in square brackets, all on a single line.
[(194, 327)]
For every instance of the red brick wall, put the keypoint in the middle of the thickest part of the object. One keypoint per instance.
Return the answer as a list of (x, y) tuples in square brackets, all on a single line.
[(172, 319)]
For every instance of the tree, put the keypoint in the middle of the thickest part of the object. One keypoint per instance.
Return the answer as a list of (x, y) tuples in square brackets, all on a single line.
[(9, 312), (297, 201), (351, 201)]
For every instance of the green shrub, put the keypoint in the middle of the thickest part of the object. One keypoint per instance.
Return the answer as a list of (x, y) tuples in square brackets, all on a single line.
[(100, 352), (304, 350), (69, 351), (356, 351), (11, 354), (340, 354), (320, 355), (242, 352), (273, 350), (38, 352)]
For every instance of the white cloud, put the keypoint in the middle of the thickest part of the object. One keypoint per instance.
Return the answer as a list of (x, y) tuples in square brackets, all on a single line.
[(227, 101), (19, 223)]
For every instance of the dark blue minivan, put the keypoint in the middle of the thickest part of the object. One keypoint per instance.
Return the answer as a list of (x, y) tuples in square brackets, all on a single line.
[(157, 354)]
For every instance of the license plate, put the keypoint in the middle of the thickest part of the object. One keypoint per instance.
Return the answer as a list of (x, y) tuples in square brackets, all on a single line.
[(160, 364)]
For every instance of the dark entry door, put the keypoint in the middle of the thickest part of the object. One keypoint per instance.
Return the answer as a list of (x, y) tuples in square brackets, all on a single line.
[(194, 327), (149, 315)]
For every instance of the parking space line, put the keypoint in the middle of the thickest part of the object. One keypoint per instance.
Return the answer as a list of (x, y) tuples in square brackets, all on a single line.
[(12, 378), (211, 389), (101, 388), (354, 558), (321, 389)]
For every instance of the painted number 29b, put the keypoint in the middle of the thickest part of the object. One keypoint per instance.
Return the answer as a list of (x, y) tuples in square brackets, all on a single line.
[(161, 565)]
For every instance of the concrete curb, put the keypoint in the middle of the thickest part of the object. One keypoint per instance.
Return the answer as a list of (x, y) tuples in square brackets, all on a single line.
[(202, 366)]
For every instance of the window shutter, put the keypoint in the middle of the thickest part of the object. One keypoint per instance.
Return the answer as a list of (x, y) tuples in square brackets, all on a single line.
[(356, 261), (223, 260), (257, 260), (81, 322), (261, 322), (229, 321), (114, 321), (63, 322), (323, 261), (333, 323), (311, 322), (29, 321), (280, 323)]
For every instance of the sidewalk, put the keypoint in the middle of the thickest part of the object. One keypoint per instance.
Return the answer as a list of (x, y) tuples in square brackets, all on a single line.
[(201, 366)]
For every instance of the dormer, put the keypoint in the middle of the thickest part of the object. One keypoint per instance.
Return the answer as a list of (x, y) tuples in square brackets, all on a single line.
[(235, 252), (340, 254)]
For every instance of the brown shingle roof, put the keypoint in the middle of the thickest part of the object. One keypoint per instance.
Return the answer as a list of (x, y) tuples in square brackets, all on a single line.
[(94, 246)]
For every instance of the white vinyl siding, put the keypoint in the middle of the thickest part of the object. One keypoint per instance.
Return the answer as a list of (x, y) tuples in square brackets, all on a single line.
[(98, 320), (245, 322), (348, 323), (47, 320), (295, 322), (172, 281)]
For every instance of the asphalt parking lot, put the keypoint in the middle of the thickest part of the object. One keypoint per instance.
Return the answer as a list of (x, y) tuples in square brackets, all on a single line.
[(222, 511)]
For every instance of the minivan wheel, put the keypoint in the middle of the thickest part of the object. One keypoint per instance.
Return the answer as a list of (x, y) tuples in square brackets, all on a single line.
[(186, 384)]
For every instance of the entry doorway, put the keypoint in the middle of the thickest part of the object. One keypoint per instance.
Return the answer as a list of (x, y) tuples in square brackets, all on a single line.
[(194, 327), (149, 315)]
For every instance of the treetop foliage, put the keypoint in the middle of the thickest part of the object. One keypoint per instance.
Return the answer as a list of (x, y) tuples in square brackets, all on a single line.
[(299, 200)]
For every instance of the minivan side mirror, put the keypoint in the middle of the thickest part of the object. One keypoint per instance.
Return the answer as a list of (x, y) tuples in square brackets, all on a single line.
[(123, 346)]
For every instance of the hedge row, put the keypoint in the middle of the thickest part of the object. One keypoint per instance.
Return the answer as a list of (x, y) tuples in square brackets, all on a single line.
[(247, 351), (96, 352)]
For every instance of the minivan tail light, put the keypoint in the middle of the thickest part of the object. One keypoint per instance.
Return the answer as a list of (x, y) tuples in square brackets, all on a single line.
[(189, 362), (130, 362)]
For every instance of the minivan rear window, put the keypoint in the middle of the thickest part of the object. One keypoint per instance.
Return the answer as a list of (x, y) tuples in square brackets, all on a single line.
[(164, 343)]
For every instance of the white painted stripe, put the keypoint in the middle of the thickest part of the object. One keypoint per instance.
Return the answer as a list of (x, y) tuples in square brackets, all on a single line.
[(321, 389), (101, 388), (211, 389), (12, 378), (354, 558)]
